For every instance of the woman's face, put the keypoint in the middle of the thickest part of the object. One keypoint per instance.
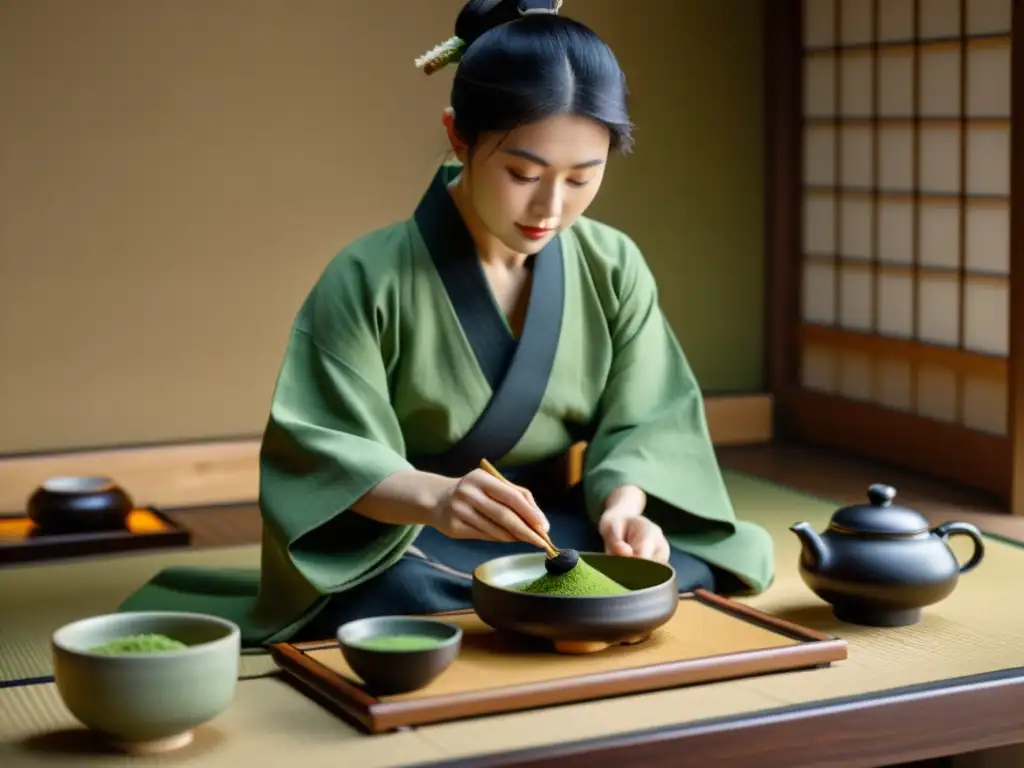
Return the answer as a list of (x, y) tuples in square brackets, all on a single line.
[(526, 185)]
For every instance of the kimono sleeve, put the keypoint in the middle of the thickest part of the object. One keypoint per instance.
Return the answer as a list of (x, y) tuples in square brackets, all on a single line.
[(332, 436), (652, 432)]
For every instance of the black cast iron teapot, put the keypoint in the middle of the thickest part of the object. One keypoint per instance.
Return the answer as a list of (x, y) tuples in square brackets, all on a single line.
[(879, 564)]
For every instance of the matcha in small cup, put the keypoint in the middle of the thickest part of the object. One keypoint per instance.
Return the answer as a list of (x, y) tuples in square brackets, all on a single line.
[(398, 654), (146, 679)]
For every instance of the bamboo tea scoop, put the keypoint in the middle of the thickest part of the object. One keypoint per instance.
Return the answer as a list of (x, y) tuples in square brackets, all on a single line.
[(558, 562)]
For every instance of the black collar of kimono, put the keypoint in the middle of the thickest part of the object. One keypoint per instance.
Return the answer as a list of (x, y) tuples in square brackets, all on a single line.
[(454, 255)]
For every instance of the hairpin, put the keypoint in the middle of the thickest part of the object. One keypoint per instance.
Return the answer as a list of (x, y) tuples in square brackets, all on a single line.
[(451, 50), (440, 56)]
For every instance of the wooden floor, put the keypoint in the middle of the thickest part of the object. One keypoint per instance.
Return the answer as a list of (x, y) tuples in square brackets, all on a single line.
[(822, 473), (846, 479), (220, 526)]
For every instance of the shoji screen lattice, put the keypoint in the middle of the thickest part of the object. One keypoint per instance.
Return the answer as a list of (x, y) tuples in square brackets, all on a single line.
[(906, 212)]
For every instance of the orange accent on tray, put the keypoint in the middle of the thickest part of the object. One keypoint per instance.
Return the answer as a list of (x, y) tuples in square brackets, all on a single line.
[(139, 522), (709, 639), (145, 528)]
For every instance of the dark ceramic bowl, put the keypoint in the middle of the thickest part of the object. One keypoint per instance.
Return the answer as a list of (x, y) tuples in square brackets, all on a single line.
[(567, 620), (389, 671), (79, 504)]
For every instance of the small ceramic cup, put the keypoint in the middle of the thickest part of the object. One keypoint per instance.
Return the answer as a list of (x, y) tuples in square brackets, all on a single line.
[(398, 654)]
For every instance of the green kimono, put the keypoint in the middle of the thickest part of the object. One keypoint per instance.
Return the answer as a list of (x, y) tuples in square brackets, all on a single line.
[(400, 358)]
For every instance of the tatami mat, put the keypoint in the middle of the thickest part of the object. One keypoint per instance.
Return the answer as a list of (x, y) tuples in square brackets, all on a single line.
[(37, 599), (973, 631)]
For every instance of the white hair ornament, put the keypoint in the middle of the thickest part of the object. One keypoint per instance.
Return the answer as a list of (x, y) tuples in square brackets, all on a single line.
[(451, 50)]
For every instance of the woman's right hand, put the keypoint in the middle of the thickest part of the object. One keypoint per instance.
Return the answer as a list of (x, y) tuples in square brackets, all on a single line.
[(479, 506)]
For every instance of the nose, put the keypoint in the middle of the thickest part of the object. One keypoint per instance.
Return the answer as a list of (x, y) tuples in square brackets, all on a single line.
[(548, 202)]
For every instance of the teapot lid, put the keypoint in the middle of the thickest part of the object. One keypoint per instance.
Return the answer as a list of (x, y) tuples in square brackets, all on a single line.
[(881, 516)]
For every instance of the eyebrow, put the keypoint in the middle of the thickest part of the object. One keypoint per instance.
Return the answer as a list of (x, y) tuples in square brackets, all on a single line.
[(541, 161)]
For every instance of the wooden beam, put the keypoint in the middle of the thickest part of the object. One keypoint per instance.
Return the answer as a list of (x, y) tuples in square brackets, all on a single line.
[(210, 473), (740, 419), (963, 362), (783, 220), (183, 475), (905, 440), (1015, 389)]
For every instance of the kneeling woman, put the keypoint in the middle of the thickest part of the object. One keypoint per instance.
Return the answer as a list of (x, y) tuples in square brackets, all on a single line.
[(496, 323)]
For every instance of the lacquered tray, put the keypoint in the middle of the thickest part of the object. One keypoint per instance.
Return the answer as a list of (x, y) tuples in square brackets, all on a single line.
[(146, 528), (709, 639)]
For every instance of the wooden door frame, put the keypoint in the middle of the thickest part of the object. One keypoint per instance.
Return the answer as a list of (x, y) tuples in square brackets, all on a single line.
[(1016, 372), (905, 440), (782, 69)]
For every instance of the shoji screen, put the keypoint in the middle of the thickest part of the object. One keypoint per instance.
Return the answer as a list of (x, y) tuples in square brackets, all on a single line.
[(906, 228)]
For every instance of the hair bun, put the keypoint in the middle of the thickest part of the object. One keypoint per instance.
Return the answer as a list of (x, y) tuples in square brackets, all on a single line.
[(476, 18), (479, 16)]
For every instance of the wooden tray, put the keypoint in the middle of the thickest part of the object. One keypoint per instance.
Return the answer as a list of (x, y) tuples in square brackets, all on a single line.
[(146, 528), (709, 639)]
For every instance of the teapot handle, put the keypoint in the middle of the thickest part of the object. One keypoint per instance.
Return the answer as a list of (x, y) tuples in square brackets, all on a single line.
[(946, 530)]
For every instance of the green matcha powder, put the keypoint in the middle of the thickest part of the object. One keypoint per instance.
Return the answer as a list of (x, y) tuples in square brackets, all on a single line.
[(582, 581), (398, 643), (146, 643)]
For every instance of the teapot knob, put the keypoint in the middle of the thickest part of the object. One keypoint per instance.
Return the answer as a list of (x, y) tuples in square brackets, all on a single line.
[(881, 495)]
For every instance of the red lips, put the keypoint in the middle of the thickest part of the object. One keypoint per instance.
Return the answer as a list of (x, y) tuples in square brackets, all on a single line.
[(534, 233)]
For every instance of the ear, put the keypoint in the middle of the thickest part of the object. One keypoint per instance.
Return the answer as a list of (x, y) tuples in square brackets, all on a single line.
[(458, 145)]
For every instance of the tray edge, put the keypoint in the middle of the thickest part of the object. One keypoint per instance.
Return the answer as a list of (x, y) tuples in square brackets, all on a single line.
[(328, 687), (814, 649), (90, 544), (766, 620)]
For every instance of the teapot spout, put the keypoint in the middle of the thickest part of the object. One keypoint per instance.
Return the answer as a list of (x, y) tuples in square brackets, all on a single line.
[(815, 553)]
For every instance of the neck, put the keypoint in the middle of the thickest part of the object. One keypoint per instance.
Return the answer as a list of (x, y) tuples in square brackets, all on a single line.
[(489, 249)]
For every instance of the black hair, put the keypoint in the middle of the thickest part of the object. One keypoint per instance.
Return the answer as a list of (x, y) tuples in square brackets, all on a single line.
[(518, 69)]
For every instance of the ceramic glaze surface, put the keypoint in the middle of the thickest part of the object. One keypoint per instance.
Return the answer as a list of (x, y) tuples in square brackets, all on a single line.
[(147, 697), (651, 601), (880, 564), (387, 669), (68, 504)]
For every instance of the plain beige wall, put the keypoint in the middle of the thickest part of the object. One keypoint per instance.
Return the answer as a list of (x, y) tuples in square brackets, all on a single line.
[(174, 174)]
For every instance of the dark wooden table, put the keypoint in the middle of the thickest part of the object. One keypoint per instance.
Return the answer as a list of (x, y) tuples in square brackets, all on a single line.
[(901, 725)]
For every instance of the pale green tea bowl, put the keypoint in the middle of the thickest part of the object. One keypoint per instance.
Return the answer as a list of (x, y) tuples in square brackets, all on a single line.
[(147, 702)]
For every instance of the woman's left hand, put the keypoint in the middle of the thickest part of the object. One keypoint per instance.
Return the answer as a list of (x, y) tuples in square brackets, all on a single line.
[(627, 532)]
